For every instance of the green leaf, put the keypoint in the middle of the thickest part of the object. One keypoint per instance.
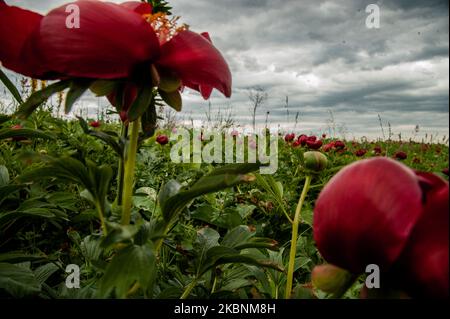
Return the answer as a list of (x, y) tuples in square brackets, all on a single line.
[(18, 257), (132, 264), (118, 234), (24, 132), (18, 281), (4, 175), (10, 86), (44, 272), (216, 180), (7, 190), (241, 238), (227, 218), (39, 97), (77, 89), (141, 103), (103, 87), (206, 239), (173, 99)]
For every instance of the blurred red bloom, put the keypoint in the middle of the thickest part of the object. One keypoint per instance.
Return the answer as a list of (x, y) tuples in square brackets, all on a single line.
[(162, 139), (328, 147), (360, 152), (445, 171), (296, 143), (289, 137), (302, 139), (339, 145), (311, 138), (378, 211), (123, 42), (400, 155), (314, 144), (324, 135), (95, 124), (377, 149)]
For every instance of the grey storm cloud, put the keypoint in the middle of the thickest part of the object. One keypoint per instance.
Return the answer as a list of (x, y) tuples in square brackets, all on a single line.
[(322, 55)]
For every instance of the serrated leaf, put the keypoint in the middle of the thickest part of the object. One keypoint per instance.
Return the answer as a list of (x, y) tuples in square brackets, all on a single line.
[(39, 97), (76, 90), (172, 99)]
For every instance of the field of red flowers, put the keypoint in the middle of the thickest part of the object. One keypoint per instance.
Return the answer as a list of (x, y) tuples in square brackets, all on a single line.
[(90, 209)]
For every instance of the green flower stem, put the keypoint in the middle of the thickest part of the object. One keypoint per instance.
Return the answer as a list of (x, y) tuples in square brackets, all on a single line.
[(130, 164), (101, 215), (290, 275), (189, 288)]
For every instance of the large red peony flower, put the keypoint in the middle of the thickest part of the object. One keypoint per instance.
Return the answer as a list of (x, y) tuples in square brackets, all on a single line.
[(378, 211), (113, 42)]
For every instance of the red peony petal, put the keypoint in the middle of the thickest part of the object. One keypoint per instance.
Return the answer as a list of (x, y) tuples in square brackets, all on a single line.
[(197, 62), (15, 28), (365, 214), (111, 41), (138, 7), (424, 263)]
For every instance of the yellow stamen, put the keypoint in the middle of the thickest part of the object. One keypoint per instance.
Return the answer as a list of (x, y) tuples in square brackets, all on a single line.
[(165, 28)]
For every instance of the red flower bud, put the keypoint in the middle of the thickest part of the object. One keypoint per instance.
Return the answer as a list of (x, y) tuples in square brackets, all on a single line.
[(400, 155), (289, 137), (296, 143), (339, 145), (315, 145), (361, 152), (302, 139), (95, 124), (328, 147), (162, 139)]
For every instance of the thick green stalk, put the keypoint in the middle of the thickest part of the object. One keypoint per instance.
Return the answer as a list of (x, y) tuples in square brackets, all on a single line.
[(130, 164), (290, 275)]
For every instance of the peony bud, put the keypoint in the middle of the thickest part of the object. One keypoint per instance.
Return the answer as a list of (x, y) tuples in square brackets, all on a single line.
[(330, 278), (315, 161)]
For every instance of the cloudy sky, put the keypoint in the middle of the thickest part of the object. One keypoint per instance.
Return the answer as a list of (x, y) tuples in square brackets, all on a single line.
[(323, 57)]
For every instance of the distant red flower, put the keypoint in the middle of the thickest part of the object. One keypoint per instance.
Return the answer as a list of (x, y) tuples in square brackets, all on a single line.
[(377, 149), (400, 155), (360, 152), (328, 147), (324, 135), (17, 138), (339, 145), (378, 211), (445, 171), (162, 139), (95, 124), (315, 145), (311, 138), (296, 143), (289, 137), (302, 139)]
